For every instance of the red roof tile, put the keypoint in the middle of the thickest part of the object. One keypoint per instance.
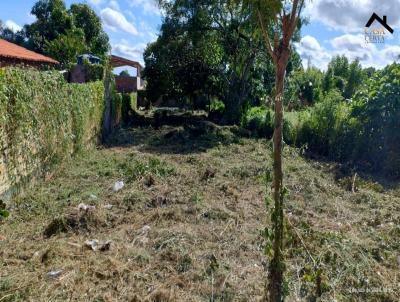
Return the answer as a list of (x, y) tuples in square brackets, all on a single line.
[(13, 51)]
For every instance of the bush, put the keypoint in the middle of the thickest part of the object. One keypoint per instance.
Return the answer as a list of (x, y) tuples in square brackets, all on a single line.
[(327, 126), (94, 72), (377, 107), (128, 106), (259, 121), (43, 119)]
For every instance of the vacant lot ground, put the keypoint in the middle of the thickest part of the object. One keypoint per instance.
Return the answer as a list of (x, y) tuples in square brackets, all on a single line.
[(187, 225)]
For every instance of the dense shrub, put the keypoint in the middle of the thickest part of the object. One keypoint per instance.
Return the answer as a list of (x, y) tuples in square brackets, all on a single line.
[(93, 72), (377, 108), (43, 119), (303, 88), (216, 109), (259, 121), (128, 106), (328, 124)]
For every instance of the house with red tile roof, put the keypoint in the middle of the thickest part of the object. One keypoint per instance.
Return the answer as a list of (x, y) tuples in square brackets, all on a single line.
[(12, 54)]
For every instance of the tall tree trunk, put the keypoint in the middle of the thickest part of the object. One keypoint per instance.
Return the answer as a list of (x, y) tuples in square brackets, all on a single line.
[(277, 264)]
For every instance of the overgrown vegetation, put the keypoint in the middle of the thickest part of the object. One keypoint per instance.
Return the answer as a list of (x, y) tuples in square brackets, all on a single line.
[(43, 119), (187, 226), (210, 50), (360, 131)]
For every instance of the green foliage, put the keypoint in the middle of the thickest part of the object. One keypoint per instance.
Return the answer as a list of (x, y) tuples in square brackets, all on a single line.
[(116, 108), (124, 73), (44, 120), (66, 47), (377, 108), (52, 20), (303, 88), (216, 106), (4, 213), (85, 19), (94, 72), (182, 62), (212, 49), (326, 128), (343, 76), (259, 121), (61, 33), (354, 80), (128, 106)]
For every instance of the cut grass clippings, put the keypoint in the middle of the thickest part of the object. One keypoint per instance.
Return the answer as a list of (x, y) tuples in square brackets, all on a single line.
[(187, 226)]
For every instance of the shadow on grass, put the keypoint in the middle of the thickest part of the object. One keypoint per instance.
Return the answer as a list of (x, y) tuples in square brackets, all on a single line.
[(185, 138), (353, 175)]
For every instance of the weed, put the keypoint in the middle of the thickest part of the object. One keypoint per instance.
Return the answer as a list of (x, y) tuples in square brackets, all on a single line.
[(184, 264)]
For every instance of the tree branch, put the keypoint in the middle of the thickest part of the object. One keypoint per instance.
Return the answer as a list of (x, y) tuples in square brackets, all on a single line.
[(266, 36)]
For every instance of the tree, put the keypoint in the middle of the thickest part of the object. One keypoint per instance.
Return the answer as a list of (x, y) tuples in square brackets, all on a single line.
[(337, 74), (209, 47), (377, 108), (186, 59), (64, 34), (303, 86), (52, 20), (344, 76), (84, 18), (354, 80), (11, 36), (124, 73), (66, 47), (281, 18)]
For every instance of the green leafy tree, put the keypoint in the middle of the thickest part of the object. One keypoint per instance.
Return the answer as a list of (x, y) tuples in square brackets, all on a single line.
[(66, 47), (337, 74), (377, 107), (303, 87), (84, 18), (52, 20), (124, 73), (354, 80), (344, 76), (64, 34), (209, 48)]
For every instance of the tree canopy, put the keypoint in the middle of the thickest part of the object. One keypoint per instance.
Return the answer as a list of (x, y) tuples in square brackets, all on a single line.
[(210, 48), (60, 32)]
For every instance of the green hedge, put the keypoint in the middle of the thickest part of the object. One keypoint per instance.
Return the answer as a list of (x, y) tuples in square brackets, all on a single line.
[(43, 120)]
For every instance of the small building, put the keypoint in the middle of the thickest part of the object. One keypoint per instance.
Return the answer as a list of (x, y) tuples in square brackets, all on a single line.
[(12, 54), (91, 58), (128, 84)]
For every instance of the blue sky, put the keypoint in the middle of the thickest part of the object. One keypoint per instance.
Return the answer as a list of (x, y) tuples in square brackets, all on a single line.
[(335, 27)]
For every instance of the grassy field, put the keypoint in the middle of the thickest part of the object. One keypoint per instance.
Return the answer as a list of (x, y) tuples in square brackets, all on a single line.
[(187, 225)]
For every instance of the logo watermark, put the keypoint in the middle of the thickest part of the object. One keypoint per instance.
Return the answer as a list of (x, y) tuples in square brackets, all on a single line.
[(377, 35)]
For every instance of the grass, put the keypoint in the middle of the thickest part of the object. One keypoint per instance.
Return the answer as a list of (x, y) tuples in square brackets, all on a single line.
[(187, 225)]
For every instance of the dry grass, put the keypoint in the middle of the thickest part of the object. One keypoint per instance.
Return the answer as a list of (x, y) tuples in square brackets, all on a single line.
[(187, 225)]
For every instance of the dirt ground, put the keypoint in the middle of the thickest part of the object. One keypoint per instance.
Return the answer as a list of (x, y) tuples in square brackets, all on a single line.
[(188, 225)]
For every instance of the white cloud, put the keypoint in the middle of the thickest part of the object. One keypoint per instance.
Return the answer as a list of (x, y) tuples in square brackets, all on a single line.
[(132, 52), (391, 53), (114, 5), (117, 21), (311, 51), (148, 6), (96, 2), (352, 46), (12, 25), (352, 15)]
